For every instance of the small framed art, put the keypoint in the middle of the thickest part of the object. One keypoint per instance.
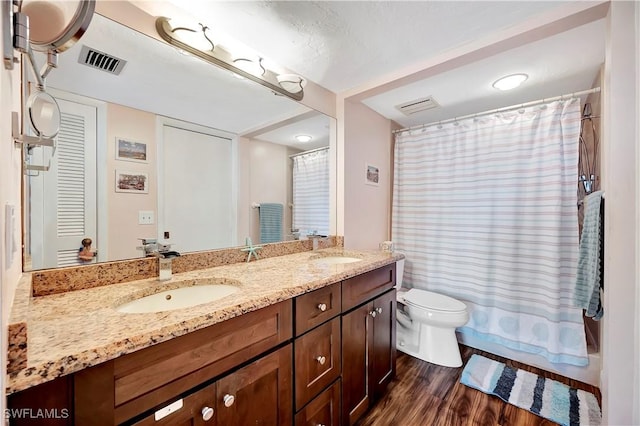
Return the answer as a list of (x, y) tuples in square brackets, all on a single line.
[(129, 150), (134, 182), (372, 175)]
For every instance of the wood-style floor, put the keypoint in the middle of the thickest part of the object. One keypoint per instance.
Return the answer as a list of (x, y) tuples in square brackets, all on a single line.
[(424, 394)]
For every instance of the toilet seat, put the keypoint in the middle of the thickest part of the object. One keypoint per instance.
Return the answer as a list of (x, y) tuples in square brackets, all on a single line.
[(433, 301)]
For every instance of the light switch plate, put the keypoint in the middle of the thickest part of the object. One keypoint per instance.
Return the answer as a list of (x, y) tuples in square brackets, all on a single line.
[(146, 217)]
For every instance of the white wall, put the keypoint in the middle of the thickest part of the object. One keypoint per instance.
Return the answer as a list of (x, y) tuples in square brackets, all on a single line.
[(124, 230), (636, 381), (10, 176), (265, 178), (620, 179), (367, 208)]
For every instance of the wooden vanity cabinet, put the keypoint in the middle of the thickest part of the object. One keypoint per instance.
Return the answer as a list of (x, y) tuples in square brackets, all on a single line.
[(324, 409), (322, 358), (147, 380), (317, 361), (258, 394), (368, 342)]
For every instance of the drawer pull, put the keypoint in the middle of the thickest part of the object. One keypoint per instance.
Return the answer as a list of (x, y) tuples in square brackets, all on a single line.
[(207, 413), (228, 400), (169, 409), (322, 307), (379, 310), (321, 360), (373, 313)]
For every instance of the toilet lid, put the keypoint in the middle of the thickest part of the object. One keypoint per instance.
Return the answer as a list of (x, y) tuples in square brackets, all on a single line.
[(433, 301)]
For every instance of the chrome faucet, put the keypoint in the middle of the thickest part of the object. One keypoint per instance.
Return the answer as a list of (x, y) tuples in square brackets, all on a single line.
[(315, 238), (164, 254)]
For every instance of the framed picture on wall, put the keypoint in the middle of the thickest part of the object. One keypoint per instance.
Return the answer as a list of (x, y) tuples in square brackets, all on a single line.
[(134, 182), (129, 150), (372, 175)]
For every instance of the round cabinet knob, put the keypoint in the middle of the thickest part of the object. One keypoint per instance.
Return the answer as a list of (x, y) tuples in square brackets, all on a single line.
[(207, 413), (322, 307), (379, 310), (228, 400), (373, 313), (321, 360)]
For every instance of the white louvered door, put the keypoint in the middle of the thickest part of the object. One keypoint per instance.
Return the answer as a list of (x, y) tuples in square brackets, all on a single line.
[(69, 188)]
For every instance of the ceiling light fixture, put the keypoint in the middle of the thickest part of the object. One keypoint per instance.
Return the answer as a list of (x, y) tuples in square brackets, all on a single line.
[(510, 81), (292, 82), (303, 138), (194, 38), (250, 66)]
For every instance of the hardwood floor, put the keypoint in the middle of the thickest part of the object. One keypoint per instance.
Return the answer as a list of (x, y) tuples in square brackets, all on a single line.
[(424, 394)]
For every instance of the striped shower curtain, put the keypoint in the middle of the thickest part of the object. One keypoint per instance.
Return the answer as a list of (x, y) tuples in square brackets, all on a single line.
[(311, 192), (485, 211)]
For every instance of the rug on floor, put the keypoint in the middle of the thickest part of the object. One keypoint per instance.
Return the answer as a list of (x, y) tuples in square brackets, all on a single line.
[(545, 397)]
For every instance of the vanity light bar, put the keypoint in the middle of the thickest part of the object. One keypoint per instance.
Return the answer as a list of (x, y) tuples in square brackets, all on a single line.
[(180, 36)]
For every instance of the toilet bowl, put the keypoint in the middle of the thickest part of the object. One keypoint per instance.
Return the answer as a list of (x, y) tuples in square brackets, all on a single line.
[(426, 323)]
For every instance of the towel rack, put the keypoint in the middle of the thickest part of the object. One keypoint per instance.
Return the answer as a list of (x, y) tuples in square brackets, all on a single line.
[(581, 202), (257, 205)]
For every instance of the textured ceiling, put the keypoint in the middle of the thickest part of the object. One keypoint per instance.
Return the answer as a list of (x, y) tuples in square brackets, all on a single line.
[(339, 45), (342, 44), (565, 63)]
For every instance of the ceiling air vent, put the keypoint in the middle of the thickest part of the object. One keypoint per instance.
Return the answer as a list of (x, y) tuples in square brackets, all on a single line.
[(100, 60), (417, 105)]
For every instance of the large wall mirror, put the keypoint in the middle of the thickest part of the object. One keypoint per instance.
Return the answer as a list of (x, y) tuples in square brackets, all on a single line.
[(155, 143)]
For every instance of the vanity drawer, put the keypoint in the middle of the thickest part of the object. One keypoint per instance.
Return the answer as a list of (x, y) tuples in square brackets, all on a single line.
[(146, 378), (314, 308), (364, 287), (318, 361), (324, 409), (191, 410)]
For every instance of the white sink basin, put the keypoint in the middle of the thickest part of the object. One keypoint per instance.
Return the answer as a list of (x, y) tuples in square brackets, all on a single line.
[(178, 298), (336, 260)]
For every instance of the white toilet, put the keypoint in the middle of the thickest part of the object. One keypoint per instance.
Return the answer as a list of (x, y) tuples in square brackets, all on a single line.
[(427, 322)]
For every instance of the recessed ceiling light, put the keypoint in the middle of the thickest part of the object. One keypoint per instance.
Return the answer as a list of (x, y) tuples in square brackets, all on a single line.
[(510, 82), (303, 138)]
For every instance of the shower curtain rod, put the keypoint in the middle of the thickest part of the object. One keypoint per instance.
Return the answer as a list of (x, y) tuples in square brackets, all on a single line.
[(308, 152), (493, 111)]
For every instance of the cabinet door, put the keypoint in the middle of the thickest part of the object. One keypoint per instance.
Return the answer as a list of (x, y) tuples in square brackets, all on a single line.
[(383, 359), (258, 394), (323, 409), (317, 361), (357, 344)]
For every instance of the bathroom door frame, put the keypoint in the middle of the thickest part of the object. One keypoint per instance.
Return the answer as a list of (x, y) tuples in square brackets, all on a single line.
[(100, 239)]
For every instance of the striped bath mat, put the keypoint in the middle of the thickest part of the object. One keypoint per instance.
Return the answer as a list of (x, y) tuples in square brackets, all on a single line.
[(545, 397)]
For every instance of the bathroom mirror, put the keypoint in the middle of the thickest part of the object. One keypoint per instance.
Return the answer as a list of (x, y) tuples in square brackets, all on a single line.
[(144, 124)]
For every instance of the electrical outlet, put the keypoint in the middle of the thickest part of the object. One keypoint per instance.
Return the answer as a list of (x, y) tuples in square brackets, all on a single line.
[(146, 217)]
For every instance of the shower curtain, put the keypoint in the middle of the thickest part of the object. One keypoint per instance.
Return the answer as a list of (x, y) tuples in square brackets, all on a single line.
[(485, 211), (311, 192)]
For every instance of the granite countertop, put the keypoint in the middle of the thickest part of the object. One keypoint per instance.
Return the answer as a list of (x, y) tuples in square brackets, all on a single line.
[(71, 331)]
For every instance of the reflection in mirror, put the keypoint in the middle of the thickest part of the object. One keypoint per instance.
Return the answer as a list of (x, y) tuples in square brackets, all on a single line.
[(157, 144)]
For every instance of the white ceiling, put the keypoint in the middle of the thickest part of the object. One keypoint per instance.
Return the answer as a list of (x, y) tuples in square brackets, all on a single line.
[(558, 65), (342, 45)]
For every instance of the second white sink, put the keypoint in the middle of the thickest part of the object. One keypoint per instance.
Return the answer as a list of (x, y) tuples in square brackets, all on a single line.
[(336, 260), (178, 298)]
